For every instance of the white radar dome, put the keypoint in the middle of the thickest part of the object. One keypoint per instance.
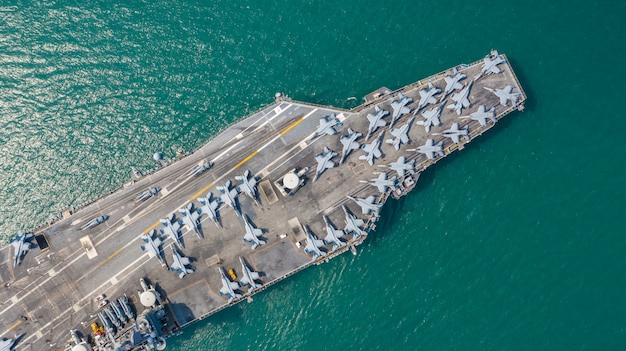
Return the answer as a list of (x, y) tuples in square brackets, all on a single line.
[(147, 298)]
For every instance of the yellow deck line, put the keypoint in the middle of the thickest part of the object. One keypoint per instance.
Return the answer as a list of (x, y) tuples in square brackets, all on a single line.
[(14, 325), (291, 126), (246, 159), (110, 257)]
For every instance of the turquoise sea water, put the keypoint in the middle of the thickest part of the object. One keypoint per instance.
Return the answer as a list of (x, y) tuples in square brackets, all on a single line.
[(515, 243)]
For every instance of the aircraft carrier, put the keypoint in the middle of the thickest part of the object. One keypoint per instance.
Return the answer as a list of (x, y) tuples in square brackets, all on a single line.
[(95, 287)]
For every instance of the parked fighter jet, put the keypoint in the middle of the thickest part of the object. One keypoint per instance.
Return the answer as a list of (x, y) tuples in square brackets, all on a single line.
[(481, 115), (128, 311), (21, 245), (111, 314), (94, 222), (327, 124), (252, 234), (429, 148), (400, 135), (313, 245), (454, 133), (333, 234), (229, 197), (399, 107), (382, 183), (461, 99), (505, 95), (401, 166), (324, 162), (179, 264), (201, 168), (367, 204), (376, 121), (228, 287), (152, 243), (453, 83), (353, 224), (190, 218), (117, 310), (248, 185), (249, 276), (490, 65), (147, 194), (171, 227), (349, 143), (209, 207), (431, 118), (372, 150), (9, 344), (428, 96)]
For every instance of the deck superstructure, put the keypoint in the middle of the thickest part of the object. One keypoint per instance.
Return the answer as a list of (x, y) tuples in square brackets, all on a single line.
[(53, 290)]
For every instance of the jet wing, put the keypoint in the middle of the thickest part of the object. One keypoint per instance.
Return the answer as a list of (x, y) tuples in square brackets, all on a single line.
[(175, 266)]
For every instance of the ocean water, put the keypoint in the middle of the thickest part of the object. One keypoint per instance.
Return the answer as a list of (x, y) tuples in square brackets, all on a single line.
[(515, 243)]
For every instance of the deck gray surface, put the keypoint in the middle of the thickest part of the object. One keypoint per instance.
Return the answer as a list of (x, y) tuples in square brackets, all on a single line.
[(55, 288)]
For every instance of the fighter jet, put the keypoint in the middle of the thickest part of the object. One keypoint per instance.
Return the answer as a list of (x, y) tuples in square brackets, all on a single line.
[(454, 133), (428, 96), (505, 95), (128, 311), (313, 245), (401, 166), (453, 83), (461, 99), (248, 186), (252, 234), (324, 162), (190, 218), (431, 118), (111, 314), (491, 65), (201, 168), (147, 194), (209, 207), (372, 150), (349, 143), (353, 224), (229, 197), (249, 276), (429, 148), (171, 227), (382, 183), (481, 115), (117, 309), (152, 243), (400, 135), (327, 124), (376, 121), (21, 245), (399, 107), (333, 234), (9, 344), (228, 287), (94, 222), (179, 264), (367, 204)]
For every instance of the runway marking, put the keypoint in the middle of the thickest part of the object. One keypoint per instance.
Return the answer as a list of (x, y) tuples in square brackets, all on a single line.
[(246, 159), (293, 125), (14, 325), (110, 257)]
